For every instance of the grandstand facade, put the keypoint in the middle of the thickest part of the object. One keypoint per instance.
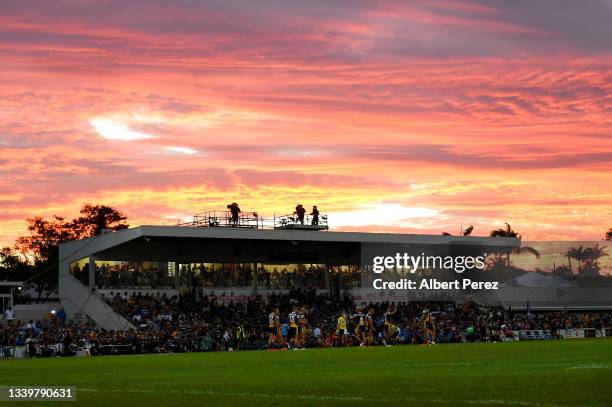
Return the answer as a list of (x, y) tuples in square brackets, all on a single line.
[(237, 261)]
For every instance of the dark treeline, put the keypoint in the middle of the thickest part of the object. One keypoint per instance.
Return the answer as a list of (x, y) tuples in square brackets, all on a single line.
[(35, 257)]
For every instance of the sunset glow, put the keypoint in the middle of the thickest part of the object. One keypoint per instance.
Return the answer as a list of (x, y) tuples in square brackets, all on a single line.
[(417, 117)]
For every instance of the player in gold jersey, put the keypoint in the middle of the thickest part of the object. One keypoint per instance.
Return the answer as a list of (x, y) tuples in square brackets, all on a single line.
[(275, 334), (271, 328), (341, 329), (293, 336), (302, 327)]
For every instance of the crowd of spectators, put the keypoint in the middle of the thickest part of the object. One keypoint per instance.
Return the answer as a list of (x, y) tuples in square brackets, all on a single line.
[(195, 322), (159, 276)]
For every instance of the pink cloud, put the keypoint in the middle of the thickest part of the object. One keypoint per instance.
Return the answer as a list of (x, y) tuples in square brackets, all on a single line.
[(502, 112)]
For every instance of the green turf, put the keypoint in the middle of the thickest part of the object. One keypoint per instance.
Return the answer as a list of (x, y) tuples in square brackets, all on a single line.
[(570, 372)]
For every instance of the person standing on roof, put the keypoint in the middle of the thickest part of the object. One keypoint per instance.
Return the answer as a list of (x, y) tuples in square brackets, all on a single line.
[(300, 212), (315, 215), (235, 212)]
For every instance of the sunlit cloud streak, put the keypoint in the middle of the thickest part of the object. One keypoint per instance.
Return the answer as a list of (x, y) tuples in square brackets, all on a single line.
[(112, 130), (417, 116), (181, 150)]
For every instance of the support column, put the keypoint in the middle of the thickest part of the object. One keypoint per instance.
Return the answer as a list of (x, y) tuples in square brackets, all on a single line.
[(92, 272), (254, 277)]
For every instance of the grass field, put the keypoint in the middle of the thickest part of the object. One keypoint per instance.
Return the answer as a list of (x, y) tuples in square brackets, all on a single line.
[(546, 373)]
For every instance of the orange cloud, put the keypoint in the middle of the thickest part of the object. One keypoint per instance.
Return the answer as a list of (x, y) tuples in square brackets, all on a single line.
[(448, 112)]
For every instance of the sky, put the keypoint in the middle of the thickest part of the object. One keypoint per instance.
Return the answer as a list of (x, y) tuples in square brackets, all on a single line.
[(396, 116)]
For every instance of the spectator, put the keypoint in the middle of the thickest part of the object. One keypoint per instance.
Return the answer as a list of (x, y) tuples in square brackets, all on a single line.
[(300, 212), (197, 323), (235, 213), (315, 215), (61, 316), (9, 314)]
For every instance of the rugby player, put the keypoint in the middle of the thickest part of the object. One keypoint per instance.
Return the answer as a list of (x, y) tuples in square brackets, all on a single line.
[(302, 327), (361, 326), (280, 339), (272, 331), (429, 330), (390, 329), (370, 328), (293, 328), (275, 333), (341, 328)]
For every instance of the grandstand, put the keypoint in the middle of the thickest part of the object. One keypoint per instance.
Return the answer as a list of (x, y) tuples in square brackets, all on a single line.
[(214, 283), (251, 256)]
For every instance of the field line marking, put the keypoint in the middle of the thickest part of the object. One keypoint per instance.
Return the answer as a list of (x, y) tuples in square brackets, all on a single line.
[(323, 398), (592, 366)]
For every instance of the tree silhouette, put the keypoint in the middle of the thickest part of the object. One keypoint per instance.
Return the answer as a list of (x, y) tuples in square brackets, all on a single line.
[(12, 265), (591, 259), (41, 246), (609, 234), (467, 232), (587, 258), (593, 254), (574, 253), (505, 232), (95, 219), (509, 232)]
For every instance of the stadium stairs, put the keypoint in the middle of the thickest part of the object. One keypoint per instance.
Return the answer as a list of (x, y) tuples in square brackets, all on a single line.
[(79, 302)]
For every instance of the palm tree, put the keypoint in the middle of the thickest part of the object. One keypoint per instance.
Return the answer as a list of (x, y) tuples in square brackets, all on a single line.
[(595, 253), (591, 259), (526, 250), (587, 258), (570, 255), (507, 232), (575, 253), (467, 232)]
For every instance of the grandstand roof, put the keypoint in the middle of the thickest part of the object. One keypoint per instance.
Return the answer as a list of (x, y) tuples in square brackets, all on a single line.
[(79, 249)]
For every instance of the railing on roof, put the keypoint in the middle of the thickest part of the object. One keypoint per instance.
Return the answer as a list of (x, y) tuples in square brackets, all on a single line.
[(252, 220), (291, 222)]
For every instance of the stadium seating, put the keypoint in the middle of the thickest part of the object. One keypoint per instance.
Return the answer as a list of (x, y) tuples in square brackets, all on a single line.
[(195, 322)]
